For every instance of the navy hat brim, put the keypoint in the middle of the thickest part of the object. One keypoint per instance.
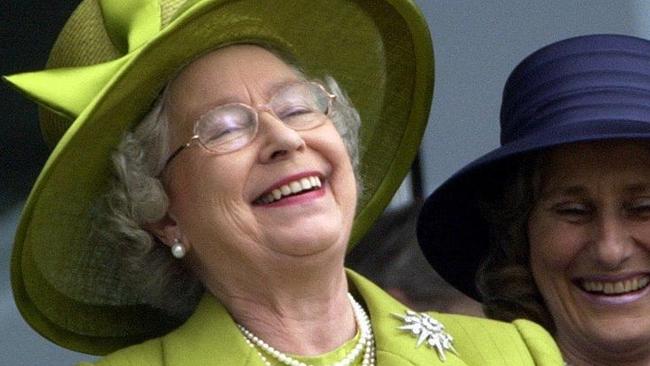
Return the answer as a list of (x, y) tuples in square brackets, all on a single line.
[(452, 233)]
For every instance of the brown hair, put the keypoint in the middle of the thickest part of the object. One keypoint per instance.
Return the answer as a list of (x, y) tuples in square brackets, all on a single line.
[(504, 279)]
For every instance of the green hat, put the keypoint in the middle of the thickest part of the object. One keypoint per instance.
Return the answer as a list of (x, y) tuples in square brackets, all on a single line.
[(110, 62)]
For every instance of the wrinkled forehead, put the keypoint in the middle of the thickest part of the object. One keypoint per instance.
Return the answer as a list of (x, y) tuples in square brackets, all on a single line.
[(618, 161), (233, 65), (236, 73)]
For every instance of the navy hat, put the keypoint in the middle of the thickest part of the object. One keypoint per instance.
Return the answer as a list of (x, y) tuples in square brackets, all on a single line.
[(586, 88)]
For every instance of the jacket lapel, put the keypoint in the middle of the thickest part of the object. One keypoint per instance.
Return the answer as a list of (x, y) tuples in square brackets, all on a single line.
[(394, 346), (208, 337)]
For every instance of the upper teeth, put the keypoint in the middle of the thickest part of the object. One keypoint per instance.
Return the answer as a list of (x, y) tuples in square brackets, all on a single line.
[(617, 287), (290, 188)]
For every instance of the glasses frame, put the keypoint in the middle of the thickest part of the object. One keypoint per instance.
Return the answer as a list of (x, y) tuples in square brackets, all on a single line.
[(256, 109)]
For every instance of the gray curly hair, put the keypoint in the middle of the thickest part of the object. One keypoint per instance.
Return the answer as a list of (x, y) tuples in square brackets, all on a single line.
[(505, 280), (136, 197)]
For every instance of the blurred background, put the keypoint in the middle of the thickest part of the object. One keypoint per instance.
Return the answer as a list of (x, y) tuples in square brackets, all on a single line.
[(477, 44)]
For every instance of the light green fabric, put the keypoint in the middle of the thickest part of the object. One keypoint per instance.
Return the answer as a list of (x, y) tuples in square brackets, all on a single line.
[(330, 358), (56, 91), (131, 23), (210, 337)]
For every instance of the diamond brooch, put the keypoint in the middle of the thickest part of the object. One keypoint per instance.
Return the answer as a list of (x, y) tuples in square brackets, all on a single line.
[(427, 330)]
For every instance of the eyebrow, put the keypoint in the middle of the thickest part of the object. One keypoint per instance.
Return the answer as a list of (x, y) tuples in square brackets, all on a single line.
[(577, 190), (281, 84), (637, 188), (269, 93), (230, 99)]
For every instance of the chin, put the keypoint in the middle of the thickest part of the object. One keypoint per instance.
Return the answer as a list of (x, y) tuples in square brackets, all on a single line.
[(311, 242), (621, 335)]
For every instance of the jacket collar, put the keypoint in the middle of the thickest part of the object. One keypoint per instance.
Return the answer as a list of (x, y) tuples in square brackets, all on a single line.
[(211, 334), (394, 346)]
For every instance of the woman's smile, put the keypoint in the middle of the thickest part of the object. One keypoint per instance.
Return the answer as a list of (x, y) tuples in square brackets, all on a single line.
[(618, 290), (293, 189)]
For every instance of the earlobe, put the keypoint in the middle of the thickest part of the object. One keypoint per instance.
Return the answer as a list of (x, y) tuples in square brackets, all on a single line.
[(166, 230)]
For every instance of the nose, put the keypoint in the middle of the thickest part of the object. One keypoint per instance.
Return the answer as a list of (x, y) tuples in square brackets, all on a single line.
[(279, 140), (614, 241)]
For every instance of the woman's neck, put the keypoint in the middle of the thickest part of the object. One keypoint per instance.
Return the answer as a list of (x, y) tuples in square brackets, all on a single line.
[(592, 355), (295, 309)]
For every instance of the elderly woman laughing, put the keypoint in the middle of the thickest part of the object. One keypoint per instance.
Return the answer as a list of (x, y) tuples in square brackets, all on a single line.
[(218, 238)]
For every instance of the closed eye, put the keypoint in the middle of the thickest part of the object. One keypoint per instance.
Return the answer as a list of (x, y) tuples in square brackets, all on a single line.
[(573, 212), (639, 209), (293, 111), (224, 131)]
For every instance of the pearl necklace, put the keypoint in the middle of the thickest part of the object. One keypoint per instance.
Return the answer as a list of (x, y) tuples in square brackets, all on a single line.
[(366, 343)]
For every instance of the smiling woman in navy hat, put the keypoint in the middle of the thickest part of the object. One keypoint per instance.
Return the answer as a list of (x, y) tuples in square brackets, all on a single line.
[(554, 225)]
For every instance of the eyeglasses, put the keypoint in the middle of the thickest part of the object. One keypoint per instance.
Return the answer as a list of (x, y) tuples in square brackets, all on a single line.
[(230, 127)]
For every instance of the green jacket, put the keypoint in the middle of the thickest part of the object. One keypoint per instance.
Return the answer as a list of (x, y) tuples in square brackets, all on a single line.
[(210, 337)]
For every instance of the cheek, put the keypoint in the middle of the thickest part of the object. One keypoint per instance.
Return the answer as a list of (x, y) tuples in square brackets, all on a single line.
[(213, 216), (202, 193), (546, 257), (553, 245), (347, 183), (192, 186), (330, 146), (641, 233), (349, 197)]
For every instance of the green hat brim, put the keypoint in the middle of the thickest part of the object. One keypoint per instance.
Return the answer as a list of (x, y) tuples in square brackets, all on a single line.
[(379, 51)]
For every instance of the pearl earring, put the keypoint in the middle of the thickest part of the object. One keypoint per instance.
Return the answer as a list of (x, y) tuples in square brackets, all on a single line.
[(178, 249)]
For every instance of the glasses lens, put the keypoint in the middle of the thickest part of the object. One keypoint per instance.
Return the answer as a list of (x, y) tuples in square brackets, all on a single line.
[(301, 106), (227, 128)]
